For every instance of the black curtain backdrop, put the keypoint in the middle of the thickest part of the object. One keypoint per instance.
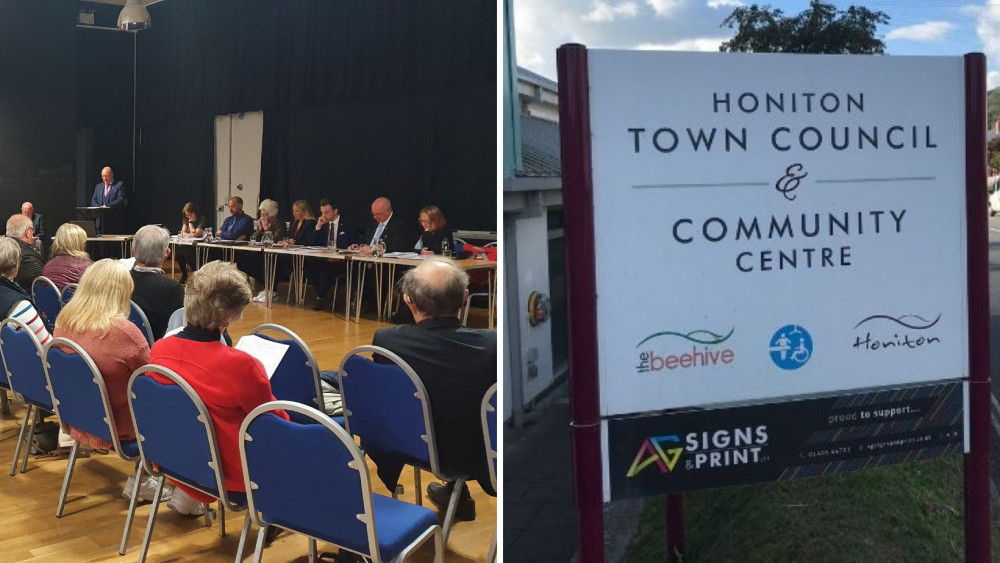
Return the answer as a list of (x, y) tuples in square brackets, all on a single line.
[(37, 107), (360, 100)]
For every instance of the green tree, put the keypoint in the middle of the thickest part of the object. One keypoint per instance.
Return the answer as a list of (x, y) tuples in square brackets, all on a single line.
[(993, 154), (819, 29)]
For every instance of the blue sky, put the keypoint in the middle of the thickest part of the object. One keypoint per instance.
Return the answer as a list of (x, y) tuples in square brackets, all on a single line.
[(916, 27)]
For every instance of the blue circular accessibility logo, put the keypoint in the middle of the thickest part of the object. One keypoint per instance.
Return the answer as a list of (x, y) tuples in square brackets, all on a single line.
[(791, 347)]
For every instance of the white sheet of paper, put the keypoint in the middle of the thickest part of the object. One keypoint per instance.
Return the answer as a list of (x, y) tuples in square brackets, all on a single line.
[(127, 262), (269, 353)]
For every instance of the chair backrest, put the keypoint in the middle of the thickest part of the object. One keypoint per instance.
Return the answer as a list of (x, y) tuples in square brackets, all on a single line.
[(79, 394), (22, 360), (386, 405), (309, 477), (297, 376), (176, 320), (47, 298), (139, 319), (67, 293), (174, 430), (489, 410)]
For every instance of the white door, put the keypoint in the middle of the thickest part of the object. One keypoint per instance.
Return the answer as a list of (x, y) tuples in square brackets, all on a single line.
[(238, 141)]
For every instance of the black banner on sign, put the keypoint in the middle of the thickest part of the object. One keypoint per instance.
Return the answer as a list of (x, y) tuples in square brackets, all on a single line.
[(682, 451)]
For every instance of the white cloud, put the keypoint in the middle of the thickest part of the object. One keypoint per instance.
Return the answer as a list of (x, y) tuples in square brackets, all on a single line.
[(928, 31), (665, 8), (693, 44), (988, 30), (716, 4), (605, 12)]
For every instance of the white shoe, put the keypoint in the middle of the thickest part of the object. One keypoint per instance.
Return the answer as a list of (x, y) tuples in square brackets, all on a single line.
[(261, 297), (147, 490), (182, 503)]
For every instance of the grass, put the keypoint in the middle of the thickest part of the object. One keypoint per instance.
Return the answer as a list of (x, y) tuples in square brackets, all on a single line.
[(911, 512)]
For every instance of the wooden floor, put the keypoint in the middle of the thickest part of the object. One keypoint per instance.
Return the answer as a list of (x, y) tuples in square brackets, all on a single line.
[(91, 526)]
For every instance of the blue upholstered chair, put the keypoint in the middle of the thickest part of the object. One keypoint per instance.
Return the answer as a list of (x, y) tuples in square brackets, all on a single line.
[(47, 298), (67, 293), (139, 319), (22, 360), (297, 376), (80, 398), (312, 479), (177, 440), (489, 410), (386, 406)]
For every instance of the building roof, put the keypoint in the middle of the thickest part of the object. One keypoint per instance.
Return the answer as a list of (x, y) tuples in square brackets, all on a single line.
[(539, 148), (535, 78)]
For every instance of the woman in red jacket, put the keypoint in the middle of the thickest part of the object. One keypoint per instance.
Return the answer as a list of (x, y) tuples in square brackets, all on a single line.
[(69, 259)]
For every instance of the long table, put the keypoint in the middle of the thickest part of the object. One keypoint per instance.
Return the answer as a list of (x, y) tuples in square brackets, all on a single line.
[(384, 270), (123, 240)]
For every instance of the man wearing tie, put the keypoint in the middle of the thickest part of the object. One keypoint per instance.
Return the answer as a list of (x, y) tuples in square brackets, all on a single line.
[(331, 232), (396, 236), (108, 194)]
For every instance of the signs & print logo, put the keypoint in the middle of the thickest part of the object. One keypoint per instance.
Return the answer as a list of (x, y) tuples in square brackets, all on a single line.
[(696, 349), (708, 449), (791, 347)]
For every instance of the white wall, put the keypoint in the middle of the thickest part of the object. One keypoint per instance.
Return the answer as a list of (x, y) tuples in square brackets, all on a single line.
[(245, 147), (533, 275)]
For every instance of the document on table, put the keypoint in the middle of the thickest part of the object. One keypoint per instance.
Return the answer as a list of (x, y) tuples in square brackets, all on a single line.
[(402, 255), (269, 353)]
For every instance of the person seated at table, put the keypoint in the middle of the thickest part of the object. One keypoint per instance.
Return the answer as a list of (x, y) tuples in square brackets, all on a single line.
[(230, 382), (302, 228), (239, 225), (435, 230), (396, 235), (252, 263), (69, 259), (157, 295), (15, 301), (192, 227), (22, 231), (37, 221), (97, 319), (330, 231)]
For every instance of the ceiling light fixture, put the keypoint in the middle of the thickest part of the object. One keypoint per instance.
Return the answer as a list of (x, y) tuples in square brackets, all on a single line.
[(134, 17)]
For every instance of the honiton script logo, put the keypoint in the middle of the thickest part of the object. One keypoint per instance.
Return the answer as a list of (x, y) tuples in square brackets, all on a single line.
[(886, 332)]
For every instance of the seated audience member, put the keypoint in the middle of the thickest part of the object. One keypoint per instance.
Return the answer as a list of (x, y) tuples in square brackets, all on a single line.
[(157, 295), (456, 365), (436, 229), (330, 230), (396, 235), (97, 319), (231, 383), (192, 226), (28, 210), (252, 263), (15, 301), (69, 259), (21, 230), (239, 225), (301, 231)]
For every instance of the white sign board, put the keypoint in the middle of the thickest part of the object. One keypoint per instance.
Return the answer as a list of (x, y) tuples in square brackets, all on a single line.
[(775, 225)]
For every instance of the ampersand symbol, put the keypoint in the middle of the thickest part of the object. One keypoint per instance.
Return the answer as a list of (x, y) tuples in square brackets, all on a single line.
[(790, 181)]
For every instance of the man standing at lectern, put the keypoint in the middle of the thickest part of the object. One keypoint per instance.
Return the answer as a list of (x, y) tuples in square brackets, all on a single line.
[(108, 193)]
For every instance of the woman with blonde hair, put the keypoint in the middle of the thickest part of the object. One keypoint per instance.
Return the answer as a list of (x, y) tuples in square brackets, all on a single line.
[(97, 319), (303, 225), (69, 259)]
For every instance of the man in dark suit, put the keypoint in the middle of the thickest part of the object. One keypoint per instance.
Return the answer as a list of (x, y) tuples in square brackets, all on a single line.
[(28, 210), (397, 235), (21, 230), (456, 365), (330, 231), (108, 194)]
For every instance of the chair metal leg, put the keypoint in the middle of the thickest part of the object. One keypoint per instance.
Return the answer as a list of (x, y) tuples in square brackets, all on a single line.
[(152, 518), (336, 286), (313, 552), (418, 490), (131, 508), (243, 538), (31, 434), (491, 557), (259, 550), (449, 516), (69, 475), (222, 519), (21, 437), (439, 542)]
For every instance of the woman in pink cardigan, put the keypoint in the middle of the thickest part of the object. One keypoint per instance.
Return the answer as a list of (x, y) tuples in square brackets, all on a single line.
[(97, 319)]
